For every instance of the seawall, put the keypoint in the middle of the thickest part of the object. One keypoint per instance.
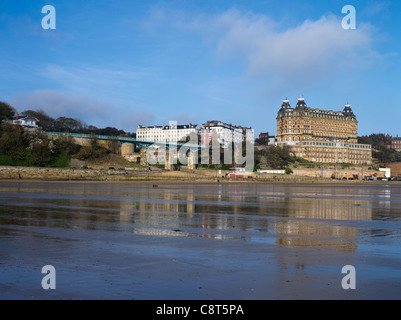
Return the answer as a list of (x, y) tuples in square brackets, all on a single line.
[(69, 174)]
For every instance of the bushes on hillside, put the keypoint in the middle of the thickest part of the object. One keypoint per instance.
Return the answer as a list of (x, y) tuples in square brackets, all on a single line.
[(13, 142), (32, 148), (277, 157)]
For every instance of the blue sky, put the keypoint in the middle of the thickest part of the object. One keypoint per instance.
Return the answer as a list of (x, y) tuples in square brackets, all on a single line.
[(124, 63)]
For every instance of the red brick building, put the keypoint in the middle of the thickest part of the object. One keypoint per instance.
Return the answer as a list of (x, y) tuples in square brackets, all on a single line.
[(395, 143)]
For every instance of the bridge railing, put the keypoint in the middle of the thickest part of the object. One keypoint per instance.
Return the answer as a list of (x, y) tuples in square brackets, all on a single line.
[(89, 136), (119, 138)]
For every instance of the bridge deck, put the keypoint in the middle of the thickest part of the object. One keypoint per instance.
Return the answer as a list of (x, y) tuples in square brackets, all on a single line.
[(122, 139)]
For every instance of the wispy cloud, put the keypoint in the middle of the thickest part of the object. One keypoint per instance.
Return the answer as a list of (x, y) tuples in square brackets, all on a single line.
[(24, 26), (94, 80), (375, 8)]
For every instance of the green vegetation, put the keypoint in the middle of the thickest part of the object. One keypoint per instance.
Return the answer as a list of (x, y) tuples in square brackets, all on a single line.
[(19, 147), (275, 157), (65, 124), (288, 171), (381, 148), (60, 161), (6, 111), (32, 148), (6, 160)]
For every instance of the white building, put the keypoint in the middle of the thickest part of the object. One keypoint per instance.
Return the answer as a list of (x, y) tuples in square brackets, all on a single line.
[(170, 133), (24, 121), (225, 133), (387, 172)]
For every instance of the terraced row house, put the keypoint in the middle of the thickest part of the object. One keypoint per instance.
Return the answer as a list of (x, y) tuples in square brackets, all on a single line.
[(223, 133), (167, 133)]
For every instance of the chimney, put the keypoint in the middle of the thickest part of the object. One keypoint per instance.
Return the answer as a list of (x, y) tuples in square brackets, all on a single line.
[(17, 116)]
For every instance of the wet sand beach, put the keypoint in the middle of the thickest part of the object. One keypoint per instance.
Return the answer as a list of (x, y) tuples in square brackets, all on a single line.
[(231, 241)]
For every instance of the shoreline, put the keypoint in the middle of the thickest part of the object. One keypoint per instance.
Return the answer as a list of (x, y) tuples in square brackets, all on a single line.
[(14, 173), (202, 181)]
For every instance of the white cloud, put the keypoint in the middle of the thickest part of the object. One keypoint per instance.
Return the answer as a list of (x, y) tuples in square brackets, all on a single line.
[(310, 51), (131, 121), (57, 104), (85, 108)]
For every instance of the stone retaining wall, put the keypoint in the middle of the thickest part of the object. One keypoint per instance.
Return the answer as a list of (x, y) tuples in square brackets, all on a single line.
[(395, 168), (356, 173), (34, 173)]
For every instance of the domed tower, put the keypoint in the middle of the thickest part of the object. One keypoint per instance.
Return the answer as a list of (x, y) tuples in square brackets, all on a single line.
[(282, 119), (286, 106), (347, 112), (301, 104), (352, 127)]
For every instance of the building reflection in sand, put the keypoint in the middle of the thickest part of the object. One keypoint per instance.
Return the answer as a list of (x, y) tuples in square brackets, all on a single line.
[(280, 214), (292, 220)]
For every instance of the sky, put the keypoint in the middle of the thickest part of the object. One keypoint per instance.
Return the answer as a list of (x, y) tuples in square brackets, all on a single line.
[(125, 63)]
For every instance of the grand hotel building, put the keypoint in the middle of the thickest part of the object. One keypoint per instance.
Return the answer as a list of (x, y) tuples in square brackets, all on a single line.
[(321, 135)]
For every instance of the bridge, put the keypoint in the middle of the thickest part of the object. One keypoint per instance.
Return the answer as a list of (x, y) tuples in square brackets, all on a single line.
[(122, 139)]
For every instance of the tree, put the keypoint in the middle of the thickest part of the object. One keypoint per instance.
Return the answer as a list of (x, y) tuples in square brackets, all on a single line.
[(279, 157), (365, 140), (41, 152), (46, 122), (13, 142), (288, 171), (64, 124), (6, 111), (109, 131), (380, 141), (114, 146), (91, 129), (66, 145)]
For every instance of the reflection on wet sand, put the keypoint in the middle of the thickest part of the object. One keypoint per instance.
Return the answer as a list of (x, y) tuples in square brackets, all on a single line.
[(293, 215), (309, 229), (299, 224), (239, 240), (315, 234)]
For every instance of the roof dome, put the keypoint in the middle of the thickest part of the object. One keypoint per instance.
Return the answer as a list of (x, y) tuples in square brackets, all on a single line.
[(286, 105), (348, 111), (301, 104)]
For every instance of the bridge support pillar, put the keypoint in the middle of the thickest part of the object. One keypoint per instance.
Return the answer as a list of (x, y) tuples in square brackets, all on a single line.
[(127, 148), (192, 157), (168, 165), (144, 161)]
